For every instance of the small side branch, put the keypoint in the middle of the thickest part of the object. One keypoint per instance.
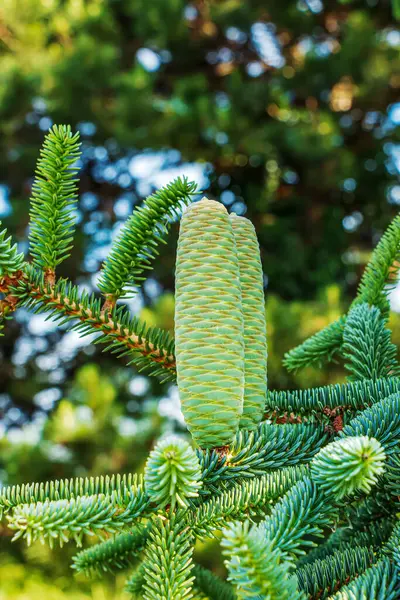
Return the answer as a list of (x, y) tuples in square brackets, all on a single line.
[(123, 334), (106, 324)]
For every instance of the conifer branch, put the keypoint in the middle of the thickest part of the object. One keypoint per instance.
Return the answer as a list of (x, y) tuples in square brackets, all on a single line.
[(137, 244), (148, 348), (372, 534), (168, 560), (135, 583), (212, 586), (348, 465), (54, 194), (330, 399), (244, 500), (256, 568), (253, 453), (380, 275), (324, 577), (117, 553), (287, 478), (379, 581), (299, 518), (309, 506), (393, 547), (392, 479), (172, 474), (66, 489), (63, 520), (371, 509), (11, 261), (11, 265), (381, 421), (51, 234), (317, 348), (367, 345)]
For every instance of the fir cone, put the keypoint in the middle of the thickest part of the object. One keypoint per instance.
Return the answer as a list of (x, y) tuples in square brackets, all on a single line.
[(255, 333), (209, 325)]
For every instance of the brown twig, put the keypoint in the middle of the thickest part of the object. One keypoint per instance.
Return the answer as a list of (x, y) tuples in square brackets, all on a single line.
[(50, 277), (109, 303)]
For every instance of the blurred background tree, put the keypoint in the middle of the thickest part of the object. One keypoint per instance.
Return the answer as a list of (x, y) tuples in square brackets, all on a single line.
[(287, 112)]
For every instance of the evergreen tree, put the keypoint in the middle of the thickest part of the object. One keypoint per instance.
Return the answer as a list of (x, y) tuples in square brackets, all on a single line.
[(293, 130), (305, 501)]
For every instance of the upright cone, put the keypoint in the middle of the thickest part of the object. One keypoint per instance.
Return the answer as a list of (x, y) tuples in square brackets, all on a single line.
[(209, 325), (255, 334)]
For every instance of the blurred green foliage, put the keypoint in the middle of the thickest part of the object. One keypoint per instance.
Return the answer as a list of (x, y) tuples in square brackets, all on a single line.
[(286, 111), (292, 106)]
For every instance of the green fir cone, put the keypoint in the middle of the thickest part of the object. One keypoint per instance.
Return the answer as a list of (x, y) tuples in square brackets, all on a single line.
[(209, 325), (172, 473), (255, 332), (348, 465)]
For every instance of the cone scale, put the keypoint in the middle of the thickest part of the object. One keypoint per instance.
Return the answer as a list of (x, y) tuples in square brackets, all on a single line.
[(209, 325)]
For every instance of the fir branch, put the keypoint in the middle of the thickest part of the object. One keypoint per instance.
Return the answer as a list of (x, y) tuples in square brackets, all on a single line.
[(381, 421), (393, 547), (373, 534), (11, 265), (335, 398), (253, 453), (148, 348), (137, 244), (371, 509), (134, 585), (299, 518), (172, 473), (66, 489), (11, 261), (54, 194), (245, 499), (317, 348), (117, 553), (168, 560), (212, 586), (257, 568), (365, 535), (380, 275), (324, 577), (367, 345), (392, 478), (63, 520), (311, 505), (348, 465), (379, 582)]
